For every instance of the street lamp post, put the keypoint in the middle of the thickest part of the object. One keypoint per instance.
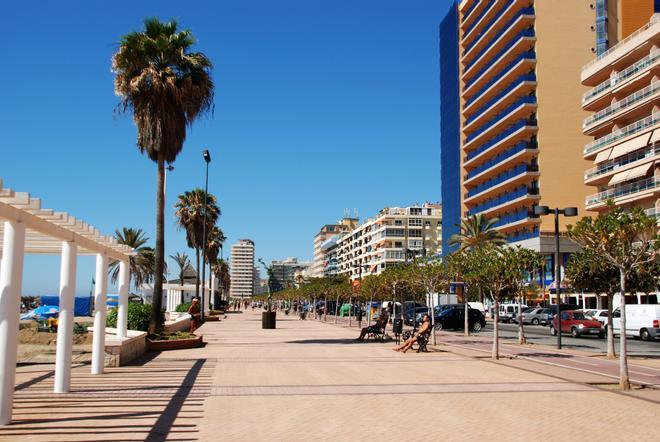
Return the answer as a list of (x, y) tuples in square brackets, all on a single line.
[(207, 160), (568, 211)]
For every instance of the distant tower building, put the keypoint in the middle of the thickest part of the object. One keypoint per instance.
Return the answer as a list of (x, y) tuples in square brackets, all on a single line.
[(242, 269)]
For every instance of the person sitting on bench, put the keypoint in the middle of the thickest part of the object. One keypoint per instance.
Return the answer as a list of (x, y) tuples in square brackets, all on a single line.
[(423, 330), (378, 327)]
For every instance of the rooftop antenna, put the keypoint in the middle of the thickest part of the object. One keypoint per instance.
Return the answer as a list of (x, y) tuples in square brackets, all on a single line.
[(355, 212)]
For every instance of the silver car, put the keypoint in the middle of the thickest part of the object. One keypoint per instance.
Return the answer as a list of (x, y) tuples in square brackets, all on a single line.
[(535, 316)]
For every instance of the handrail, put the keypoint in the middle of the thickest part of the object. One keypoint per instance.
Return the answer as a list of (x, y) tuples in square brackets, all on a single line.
[(622, 104), (654, 19), (521, 236), (513, 85), (500, 199), (624, 132), (623, 190), (496, 37), (500, 136), (509, 45), (618, 78), (501, 177), (518, 147), (609, 166)]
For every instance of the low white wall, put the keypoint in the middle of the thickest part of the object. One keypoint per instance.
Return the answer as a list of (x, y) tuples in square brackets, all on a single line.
[(179, 324)]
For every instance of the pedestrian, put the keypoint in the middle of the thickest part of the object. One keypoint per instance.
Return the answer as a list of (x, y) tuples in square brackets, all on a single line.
[(195, 316), (358, 315)]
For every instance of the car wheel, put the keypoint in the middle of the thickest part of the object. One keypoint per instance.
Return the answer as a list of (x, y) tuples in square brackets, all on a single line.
[(553, 330), (645, 335), (476, 326), (575, 333), (438, 326), (535, 321), (601, 335)]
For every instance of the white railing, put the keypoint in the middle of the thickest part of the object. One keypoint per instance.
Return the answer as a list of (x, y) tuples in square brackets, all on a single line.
[(623, 190), (624, 132), (654, 19), (621, 76), (610, 166), (630, 100)]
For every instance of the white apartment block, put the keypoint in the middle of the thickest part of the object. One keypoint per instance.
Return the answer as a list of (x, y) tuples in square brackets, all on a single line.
[(324, 243), (242, 269), (393, 237)]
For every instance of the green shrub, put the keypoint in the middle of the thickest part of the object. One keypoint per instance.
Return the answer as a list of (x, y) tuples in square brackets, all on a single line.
[(183, 308), (138, 316)]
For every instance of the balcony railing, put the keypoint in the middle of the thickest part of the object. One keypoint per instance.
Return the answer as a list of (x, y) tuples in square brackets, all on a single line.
[(479, 17), (503, 113), (653, 213), (521, 236), (488, 25), (501, 136), (469, 10), (621, 76), (612, 165), (502, 177), (654, 19), (518, 147), (514, 84), (629, 101), (623, 190), (626, 131), (512, 218), (524, 33), (499, 75), (500, 53), (502, 199)]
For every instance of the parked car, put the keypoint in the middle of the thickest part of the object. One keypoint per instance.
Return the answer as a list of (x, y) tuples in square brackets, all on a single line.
[(419, 311), (523, 310), (454, 318), (597, 315), (535, 316), (577, 324), (508, 311), (642, 321)]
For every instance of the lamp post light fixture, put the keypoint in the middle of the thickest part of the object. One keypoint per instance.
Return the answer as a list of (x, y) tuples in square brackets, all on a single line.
[(207, 160), (568, 211)]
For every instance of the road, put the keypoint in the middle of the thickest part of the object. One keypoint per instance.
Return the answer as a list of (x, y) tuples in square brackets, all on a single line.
[(537, 334)]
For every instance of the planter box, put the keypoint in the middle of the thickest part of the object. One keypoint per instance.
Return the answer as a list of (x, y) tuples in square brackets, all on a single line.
[(176, 344), (211, 318)]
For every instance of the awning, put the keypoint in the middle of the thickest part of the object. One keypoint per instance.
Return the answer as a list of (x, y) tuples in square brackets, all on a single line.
[(602, 156), (630, 145), (630, 174), (656, 136)]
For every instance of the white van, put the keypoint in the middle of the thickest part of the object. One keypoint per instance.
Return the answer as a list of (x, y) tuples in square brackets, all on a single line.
[(642, 321), (508, 311)]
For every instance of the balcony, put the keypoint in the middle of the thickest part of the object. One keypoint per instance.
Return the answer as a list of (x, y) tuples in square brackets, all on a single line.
[(478, 17), (653, 212), (504, 201), (518, 131), (641, 66), (500, 47), (635, 128), (523, 104), (511, 220), (521, 236), (645, 185), (628, 103), (603, 169), (515, 66), (638, 40), (492, 18), (523, 18), (471, 9), (502, 158), (528, 80), (512, 176)]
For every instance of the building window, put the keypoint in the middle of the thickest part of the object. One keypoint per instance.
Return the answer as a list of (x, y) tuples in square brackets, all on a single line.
[(398, 244), (398, 222), (415, 210), (427, 223), (415, 244), (415, 222), (415, 233)]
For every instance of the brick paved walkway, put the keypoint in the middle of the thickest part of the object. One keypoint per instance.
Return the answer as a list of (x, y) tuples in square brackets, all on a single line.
[(308, 380)]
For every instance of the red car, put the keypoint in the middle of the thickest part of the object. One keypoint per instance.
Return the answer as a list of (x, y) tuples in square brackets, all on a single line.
[(575, 323)]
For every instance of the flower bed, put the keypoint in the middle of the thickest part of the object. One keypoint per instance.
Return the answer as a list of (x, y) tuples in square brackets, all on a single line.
[(174, 341)]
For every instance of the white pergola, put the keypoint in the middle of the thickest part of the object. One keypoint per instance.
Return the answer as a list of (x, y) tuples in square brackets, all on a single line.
[(27, 228)]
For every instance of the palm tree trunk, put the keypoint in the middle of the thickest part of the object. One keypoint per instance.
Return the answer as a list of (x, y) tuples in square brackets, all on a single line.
[(155, 322), (197, 276), (611, 352), (624, 380)]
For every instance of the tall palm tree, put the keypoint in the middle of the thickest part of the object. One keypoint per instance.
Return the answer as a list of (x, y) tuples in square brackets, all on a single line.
[(190, 217), (220, 269), (181, 260), (142, 264), (167, 87), (477, 231)]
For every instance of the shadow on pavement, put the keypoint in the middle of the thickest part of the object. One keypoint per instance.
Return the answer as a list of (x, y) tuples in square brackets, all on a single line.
[(327, 341)]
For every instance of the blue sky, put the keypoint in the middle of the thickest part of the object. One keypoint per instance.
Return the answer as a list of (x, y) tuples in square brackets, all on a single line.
[(320, 106)]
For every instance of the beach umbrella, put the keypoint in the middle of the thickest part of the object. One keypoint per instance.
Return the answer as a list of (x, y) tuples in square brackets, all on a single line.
[(42, 312)]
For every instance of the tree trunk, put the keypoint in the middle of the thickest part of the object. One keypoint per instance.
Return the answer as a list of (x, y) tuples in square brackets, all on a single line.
[(496, 332), (325, 309), (466, 325), (197, 269), (337, 309), (521, 328), (611, 352), (624, 380), (155, 322)]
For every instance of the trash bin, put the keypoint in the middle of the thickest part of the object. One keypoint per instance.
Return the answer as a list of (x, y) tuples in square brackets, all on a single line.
[(268, 320), (397, 326)]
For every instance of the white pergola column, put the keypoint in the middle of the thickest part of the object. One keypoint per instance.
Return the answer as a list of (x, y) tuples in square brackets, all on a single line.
[(11, 279), (173, 296), (100, 310), (213, 289), (65, 320), (122, 311)]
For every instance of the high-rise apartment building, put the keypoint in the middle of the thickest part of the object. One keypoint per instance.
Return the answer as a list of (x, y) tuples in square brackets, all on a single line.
[(242, 269), (394, 236), (323, 240), (624, 122), (284, 272)]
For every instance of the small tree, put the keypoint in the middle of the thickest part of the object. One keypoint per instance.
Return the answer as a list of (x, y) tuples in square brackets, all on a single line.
[(627, 240), (433, 276), (588, 271), (521, 265)]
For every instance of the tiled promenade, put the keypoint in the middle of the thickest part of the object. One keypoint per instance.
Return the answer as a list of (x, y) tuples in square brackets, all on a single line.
[(309, 381)]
